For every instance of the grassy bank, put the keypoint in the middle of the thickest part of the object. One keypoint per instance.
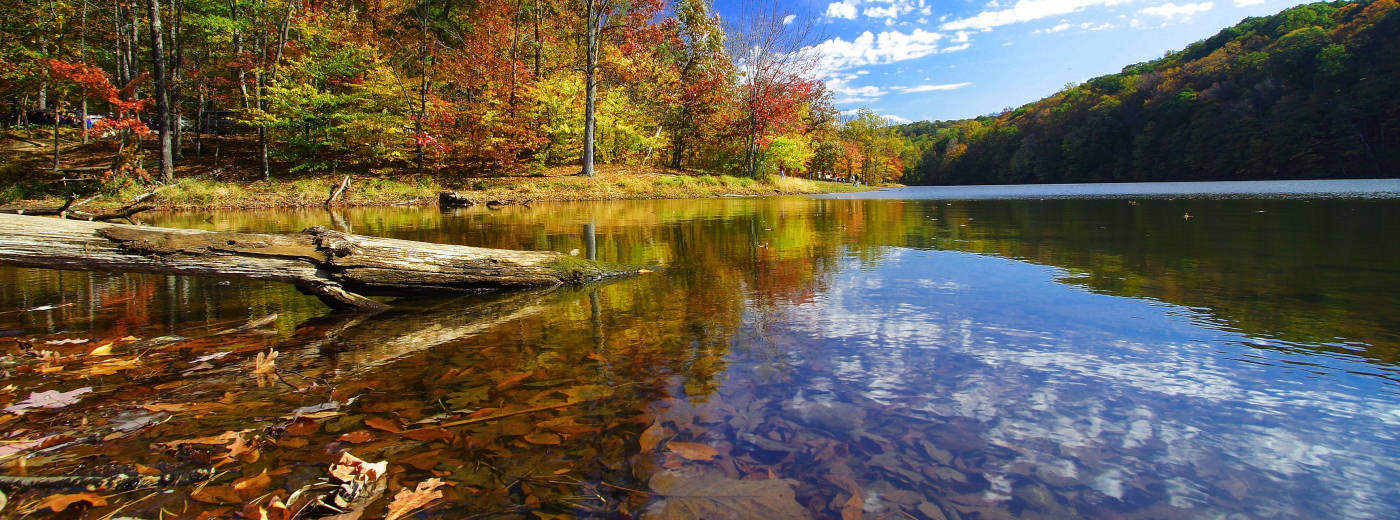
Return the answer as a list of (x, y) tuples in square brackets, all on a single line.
[(609, 184), (26, 183)]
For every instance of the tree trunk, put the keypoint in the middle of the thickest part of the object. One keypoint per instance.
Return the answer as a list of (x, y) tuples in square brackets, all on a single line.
[(339, 268), (82, 56), (55, 138), (177, 63), (590, 84), (167, 161)]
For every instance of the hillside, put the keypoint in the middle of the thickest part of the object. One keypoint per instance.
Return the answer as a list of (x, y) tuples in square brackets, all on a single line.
[(1311, 92)]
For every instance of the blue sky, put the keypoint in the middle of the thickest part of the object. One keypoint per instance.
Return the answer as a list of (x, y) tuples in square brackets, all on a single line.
[(951, 59)]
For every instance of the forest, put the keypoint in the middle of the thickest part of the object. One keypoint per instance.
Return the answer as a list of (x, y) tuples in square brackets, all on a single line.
[(1307, 93), (282, 88)]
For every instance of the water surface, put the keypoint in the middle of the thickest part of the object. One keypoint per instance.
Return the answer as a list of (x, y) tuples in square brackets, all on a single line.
[(1006, 357)]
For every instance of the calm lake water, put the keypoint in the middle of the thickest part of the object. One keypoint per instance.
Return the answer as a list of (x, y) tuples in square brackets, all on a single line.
[(944, 352)]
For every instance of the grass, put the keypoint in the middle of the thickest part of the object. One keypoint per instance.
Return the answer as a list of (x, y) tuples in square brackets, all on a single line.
[(205, 186)]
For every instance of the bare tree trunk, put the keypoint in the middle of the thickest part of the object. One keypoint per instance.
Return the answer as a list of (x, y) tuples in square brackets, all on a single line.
[(82, 56), (177, 64), (55, 138), (199, 127), (590, 69), (238, 52), (133, 46), (539, 44), (167, 166), (422, 87)]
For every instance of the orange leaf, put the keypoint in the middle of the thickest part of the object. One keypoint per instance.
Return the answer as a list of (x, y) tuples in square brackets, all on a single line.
[(693, 450), (349, 467), (380, 423), (217, 495), (356, 437), (428, 434), (509, 381), (653, 435), (543, 438), (250, 487), (406, 501), (58, 503)]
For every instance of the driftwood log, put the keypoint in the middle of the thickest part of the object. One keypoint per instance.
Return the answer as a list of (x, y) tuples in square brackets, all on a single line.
[(339, 268), (69, 209)]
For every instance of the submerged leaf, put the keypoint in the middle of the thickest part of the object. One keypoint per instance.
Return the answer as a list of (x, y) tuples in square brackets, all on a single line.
[(693, 450), (686, 497), (48, 399), (652, 436), (59, 503), (406, 501)]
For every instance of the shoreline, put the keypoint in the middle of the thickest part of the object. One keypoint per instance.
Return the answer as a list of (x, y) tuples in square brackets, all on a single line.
[(611, 183)]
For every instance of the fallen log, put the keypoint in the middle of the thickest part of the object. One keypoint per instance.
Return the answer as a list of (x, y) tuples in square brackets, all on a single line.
[(68, 209), (339, 268)]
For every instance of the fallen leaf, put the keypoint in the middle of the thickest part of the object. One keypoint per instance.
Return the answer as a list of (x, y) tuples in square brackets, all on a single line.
[(104, 350), (428, 434), (48, 399), (265, 364), (17, 446), (358, 437), (381, 423), (686, 497), (853, 508), (543, 438), (349, 467), (301, 427), (693, 450), (652, 436), (178, 407), (212, 440), (244, 450), (59, 503), (406, 501), (250, 487), (108, 368), (512, 380), (217, 495)]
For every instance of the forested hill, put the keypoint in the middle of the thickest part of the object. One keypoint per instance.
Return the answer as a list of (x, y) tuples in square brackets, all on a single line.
[(1311, 92)]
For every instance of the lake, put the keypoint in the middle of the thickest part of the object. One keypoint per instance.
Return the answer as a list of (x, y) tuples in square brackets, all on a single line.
[(1194, 350)]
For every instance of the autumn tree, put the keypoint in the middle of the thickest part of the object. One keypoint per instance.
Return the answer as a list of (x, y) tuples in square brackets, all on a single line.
[(775, 64)]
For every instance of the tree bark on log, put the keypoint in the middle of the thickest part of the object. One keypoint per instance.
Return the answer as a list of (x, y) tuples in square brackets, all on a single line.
[(339, 268)]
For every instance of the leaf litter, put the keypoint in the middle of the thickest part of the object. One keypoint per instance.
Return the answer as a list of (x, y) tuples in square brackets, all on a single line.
[(537, 425)]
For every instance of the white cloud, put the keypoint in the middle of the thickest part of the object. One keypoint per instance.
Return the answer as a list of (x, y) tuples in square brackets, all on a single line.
[(1242, 3), (889, 117), (789, 18), (934, 88), (1024, 11), (844, 9), (1170, 10), (882, 12), (1063, 25), (870, 49), (847, 93), (956, 48)]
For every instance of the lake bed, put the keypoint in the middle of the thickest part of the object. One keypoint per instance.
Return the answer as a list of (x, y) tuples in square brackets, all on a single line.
[(1109, 351)]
